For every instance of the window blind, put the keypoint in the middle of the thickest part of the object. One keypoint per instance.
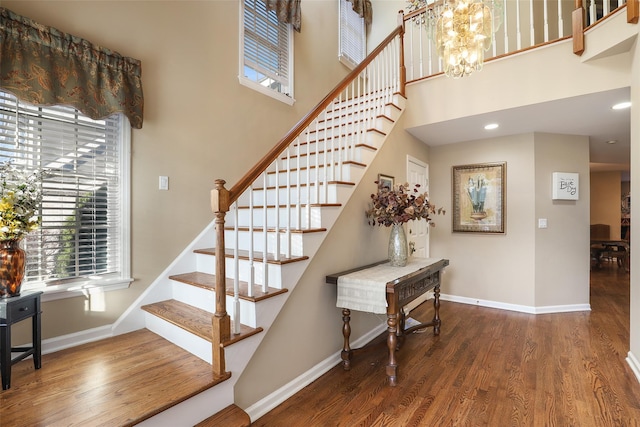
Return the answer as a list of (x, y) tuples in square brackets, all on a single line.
[(353, 48), (266, 47), (80, 235)]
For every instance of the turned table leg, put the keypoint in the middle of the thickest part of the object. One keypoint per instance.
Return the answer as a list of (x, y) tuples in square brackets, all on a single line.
[(346, 332), (436, 306), (392, 342)]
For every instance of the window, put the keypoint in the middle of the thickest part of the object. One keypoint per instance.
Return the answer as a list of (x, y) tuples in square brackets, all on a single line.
[(353, 46), (266, 51), (83, 241)]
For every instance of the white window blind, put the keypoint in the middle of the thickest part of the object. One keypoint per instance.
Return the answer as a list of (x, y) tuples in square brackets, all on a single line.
[(81, 236), (353, 46), (266, 49)]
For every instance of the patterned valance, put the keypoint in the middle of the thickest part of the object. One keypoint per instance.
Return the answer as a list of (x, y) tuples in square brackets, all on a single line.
[(43, 66), (364, 9), (288, 11)]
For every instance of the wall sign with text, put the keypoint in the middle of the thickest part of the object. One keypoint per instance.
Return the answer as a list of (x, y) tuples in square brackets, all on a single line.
[(565, 186)]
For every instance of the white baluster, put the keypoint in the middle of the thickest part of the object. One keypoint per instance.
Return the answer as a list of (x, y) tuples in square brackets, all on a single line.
[(252, 270), (236, 280)]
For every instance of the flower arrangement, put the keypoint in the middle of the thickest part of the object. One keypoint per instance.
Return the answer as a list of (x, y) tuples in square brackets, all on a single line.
[(399, 205), (20, 198)]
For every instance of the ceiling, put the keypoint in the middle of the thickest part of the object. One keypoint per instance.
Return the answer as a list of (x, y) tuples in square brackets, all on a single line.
[(589, 115)]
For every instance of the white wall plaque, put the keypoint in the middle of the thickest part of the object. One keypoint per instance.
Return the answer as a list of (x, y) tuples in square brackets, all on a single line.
[(565, 186)]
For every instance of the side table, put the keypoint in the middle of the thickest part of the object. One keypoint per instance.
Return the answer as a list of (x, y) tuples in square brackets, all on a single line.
[(13, 310)]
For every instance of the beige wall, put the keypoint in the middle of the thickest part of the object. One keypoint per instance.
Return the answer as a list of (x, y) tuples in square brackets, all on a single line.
[(606, 196), (523, 265), (200, 123)]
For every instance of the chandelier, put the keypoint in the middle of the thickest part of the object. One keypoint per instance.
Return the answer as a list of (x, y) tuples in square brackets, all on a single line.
[(462, 31)]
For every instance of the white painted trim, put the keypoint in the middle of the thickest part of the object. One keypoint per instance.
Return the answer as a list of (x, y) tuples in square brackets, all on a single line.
[(634, 364), (52, 345), (517, 307), (269, 402)]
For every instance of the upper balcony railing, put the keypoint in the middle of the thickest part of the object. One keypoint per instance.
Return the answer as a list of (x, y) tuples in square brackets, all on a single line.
[(524, 24)]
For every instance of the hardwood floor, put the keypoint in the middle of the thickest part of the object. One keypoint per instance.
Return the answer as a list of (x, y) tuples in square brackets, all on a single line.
[(489, 368), (117, 381)]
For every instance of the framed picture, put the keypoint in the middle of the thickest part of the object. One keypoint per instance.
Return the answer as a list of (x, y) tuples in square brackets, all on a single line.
[(479, 197), (385, 181)]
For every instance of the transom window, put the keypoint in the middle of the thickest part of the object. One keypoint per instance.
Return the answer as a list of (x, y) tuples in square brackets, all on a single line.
[(266, 51), (83, 241)]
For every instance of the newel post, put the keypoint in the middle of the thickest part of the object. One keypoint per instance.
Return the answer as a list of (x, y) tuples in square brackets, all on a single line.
[(577, 20), (221, 320), (403, 69)]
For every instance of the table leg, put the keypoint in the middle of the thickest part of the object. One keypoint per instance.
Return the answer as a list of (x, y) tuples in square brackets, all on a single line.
[(392, 342), (37, 338), (436, 306), (346, 332), (5, 356)]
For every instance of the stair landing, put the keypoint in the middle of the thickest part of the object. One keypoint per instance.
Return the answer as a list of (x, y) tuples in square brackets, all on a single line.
[(118, 381)]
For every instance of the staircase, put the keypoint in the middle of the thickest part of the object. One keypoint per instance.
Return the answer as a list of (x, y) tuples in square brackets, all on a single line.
[(268, 228)]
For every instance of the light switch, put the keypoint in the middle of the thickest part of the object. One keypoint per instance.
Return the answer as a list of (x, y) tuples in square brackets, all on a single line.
[(164, 183), (542, 222)]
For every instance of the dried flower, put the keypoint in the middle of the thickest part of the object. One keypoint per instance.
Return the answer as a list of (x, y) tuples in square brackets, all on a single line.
[(20, 198), (397, 206)]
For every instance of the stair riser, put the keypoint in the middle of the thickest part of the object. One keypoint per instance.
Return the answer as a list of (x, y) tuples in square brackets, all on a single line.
[(364, 102), (351, 114), (298, 221), (180, 337), (294, 241), (350, 131), (361, 154), (332, 149), (206, 264), (205, 300), (304, 174), (330, 193)]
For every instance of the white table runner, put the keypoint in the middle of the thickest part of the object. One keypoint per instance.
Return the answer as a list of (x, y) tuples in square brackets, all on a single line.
[(365, 290)]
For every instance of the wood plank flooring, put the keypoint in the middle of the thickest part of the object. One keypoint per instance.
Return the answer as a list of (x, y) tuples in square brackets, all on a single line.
[(118, 381), (489, 367)]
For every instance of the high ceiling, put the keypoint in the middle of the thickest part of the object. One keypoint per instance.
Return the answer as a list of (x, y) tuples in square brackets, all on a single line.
[(588, 115)]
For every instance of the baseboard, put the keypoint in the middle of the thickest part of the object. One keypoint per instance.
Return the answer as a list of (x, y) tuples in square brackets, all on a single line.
[(266, 404), (77, 338), (516, 307), (634, 364)]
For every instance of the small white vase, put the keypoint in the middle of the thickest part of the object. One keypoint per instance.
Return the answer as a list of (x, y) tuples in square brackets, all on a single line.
[(398, 250)]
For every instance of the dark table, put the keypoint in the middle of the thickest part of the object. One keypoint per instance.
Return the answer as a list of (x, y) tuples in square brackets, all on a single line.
[(12, 311)]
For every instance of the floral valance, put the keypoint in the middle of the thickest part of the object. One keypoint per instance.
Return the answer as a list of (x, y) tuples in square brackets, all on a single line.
[(288, 11), (43, 66), (364, 9)]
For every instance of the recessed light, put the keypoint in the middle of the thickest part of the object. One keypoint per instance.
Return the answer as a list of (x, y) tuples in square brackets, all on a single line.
[(491, 126), (621, 106), (612, 141)]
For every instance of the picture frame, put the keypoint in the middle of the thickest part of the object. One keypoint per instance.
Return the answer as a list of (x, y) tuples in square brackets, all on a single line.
[(479, 198), (385, 181)]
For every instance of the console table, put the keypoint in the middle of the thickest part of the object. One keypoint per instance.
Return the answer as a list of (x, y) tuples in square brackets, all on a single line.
[(14, 310), (381, 288)]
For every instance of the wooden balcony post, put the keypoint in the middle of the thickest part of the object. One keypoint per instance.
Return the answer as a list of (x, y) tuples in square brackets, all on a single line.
[(221, 320), (632, 11), (577, 20), (403, 70)]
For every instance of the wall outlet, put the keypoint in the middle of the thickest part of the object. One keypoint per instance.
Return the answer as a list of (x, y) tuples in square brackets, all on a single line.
[(542, 222)]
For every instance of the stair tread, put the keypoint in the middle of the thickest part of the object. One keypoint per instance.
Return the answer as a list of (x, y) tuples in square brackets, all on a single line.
[(257, 256), (282, 230), (293, 186), (232, 415), (315, 205), (193, 319), (208, 281), (346, 162)]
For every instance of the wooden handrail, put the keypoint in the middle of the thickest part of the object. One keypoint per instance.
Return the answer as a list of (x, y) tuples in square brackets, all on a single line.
[(282, 145)]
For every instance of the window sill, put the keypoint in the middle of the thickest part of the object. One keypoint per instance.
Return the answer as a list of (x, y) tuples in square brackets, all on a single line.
[(266, 91), (79, 288)]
